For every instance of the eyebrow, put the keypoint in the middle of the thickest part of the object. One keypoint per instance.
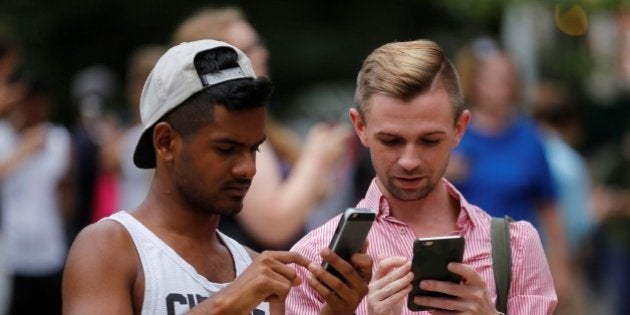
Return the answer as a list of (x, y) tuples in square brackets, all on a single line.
[(237, 143), (430, 133)]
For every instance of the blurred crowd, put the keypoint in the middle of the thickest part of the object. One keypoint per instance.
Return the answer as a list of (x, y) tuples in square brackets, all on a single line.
[(523, 156)]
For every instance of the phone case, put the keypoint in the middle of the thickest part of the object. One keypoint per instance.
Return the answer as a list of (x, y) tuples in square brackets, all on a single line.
[(350, 234), (430, 258)]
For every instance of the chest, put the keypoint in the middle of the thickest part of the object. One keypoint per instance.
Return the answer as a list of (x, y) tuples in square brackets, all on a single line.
[(178, 280), (396, 239)]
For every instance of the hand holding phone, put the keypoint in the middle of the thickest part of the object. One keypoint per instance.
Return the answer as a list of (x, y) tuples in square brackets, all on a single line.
[(350, 235), (430, 259)]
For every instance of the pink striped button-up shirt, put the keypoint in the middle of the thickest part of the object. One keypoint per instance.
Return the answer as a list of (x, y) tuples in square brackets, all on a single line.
[(531, 292)]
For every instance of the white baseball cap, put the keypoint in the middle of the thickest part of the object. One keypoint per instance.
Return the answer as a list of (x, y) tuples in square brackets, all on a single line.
[(172, 81)]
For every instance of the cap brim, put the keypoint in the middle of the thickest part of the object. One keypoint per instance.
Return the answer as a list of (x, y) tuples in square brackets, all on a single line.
[(144, 155)]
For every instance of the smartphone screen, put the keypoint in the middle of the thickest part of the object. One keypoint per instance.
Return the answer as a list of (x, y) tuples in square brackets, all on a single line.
[(350, 234), (430, 259)]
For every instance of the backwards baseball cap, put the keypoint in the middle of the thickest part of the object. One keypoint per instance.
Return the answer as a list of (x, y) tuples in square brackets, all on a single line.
[(172, 81)]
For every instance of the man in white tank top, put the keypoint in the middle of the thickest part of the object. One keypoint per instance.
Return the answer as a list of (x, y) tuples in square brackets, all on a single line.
[(203, 113)]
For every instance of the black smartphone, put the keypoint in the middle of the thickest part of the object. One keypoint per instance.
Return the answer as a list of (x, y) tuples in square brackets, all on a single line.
[(350, 234), (430, 259)]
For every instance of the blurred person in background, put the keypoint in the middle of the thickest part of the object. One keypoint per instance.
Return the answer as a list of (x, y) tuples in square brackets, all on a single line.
[(609, 252), (92, 89), (291, 179), (557, 114), (35, 155), (10, 92), (116, 156), (500, 163), (561, 127)]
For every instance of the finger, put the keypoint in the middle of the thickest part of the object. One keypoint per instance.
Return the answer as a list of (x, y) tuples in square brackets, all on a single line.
[(324, 290), (468, 274), (401, 274), (276, 306), (395, 297), (342, 266), (289, 257), (441, 305), (362, 263), (364, 247), (277, 262), (385, 288), (450, 288), (386, 265)]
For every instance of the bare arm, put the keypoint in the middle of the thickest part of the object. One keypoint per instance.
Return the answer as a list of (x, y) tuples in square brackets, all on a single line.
[(275, 210), (100, 271)]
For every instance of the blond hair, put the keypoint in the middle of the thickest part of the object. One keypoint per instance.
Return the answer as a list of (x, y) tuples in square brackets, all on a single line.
[(405, 69), (207, 23)]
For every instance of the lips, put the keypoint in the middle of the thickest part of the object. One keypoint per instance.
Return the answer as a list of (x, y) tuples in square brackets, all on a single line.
[(237, 189), (408, 182)]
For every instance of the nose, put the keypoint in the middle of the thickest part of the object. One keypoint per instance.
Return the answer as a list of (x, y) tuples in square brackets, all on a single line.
[(409, 158), (245, 166)]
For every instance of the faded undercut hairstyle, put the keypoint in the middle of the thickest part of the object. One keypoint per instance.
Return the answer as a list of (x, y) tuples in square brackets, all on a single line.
[(403, 70)]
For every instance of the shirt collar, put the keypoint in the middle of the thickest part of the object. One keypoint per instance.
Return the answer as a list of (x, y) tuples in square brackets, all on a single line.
[(374, 199)]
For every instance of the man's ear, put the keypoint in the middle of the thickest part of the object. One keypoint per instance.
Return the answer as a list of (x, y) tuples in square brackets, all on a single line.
[(359, 125), (460, 126), (164, 141)]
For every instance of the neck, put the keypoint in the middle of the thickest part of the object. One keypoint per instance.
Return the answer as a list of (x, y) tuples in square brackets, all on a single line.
[(433, 215), (162, 213)]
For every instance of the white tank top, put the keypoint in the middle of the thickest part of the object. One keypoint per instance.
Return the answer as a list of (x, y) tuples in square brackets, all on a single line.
[(171, 284)]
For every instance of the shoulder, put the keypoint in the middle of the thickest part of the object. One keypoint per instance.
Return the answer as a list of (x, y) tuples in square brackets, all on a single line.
[(523, 234), (105, 244), (103, 237), (101, 271), (524, 237)]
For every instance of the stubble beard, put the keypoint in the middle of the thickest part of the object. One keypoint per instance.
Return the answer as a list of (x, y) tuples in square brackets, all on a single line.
[(420, 192), (408, 195), (202, 201)]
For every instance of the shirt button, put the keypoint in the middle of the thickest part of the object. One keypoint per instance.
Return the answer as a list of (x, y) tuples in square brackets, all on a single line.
[(403, 231)]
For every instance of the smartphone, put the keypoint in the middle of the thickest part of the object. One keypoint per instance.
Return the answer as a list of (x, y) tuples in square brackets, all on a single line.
[(350, 234), (430, 259)]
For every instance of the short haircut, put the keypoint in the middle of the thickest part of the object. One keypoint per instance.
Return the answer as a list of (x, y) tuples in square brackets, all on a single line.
[(239, 94), (404, 70)]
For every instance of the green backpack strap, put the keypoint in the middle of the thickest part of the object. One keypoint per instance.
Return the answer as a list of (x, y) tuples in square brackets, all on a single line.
[(501, 260)]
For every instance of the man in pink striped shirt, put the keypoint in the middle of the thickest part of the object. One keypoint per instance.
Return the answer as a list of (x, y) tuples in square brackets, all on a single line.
[(410, 115)]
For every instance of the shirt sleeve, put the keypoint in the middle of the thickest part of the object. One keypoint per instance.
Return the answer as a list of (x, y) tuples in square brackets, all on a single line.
[(532, 290)]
